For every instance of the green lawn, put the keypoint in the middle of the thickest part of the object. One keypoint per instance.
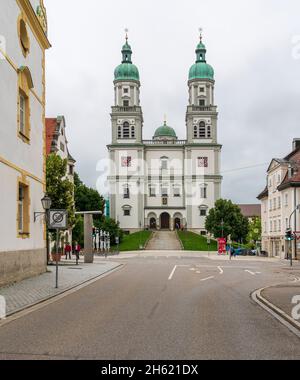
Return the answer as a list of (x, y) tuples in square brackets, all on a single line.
[(132, 242), (194, 242)]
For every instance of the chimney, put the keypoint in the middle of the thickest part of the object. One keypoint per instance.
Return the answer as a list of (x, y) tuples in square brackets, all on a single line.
[(290, 171), (296, 144)]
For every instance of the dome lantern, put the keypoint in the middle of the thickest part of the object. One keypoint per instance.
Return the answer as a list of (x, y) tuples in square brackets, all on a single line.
[(127, 70)]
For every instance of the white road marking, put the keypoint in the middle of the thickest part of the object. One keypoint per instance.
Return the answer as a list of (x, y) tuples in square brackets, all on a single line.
[(208, 278), (198, 272), (192, 269), (221, 270), (249, 271), (172, 273), (174, 270)]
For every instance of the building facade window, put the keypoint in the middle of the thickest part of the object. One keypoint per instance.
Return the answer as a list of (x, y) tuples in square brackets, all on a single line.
[(22, 114), (164, 192), (152, 191), (23, 209), (23, 37), (177, 192), (202, 131), (133, 132), (23, 106), (164, 164), (126, 192), (119, 132), (286, 197), (127, 210), (126, 103), (203, 191), (126, 130)]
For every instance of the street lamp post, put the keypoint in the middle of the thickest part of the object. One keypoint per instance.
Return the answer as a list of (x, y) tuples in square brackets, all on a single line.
[(290, 226), (46, 203)]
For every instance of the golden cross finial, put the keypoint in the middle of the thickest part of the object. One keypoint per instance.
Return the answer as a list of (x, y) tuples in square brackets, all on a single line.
[(200, 31), (165, 119), (126, 31)]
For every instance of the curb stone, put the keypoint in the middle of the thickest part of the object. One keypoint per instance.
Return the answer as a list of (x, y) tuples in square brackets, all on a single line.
[(276, 311)]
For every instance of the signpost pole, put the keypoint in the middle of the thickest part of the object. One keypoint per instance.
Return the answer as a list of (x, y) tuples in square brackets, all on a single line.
[(57, 242)]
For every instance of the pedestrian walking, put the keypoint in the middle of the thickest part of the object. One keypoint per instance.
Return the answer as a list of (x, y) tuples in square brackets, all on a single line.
[(232, 252), (77, 250), (68, 250)]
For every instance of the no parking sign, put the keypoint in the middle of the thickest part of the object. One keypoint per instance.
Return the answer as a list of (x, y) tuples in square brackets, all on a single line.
[(58, 219)]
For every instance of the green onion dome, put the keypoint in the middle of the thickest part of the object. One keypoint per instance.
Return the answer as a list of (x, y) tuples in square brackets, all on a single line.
[(201, 69), (127, 70)]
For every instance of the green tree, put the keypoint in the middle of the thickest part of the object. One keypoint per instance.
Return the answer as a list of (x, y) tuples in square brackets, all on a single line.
[(86, 198), (59, 188), (255, 231), (234, 223)]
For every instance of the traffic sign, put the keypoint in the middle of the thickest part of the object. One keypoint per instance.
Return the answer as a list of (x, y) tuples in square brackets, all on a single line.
[(58, 219)]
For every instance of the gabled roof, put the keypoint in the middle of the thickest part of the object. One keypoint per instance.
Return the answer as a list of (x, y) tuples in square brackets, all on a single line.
[(53, 130), (263, 194), (250, 210), (293, 181), (51, 126)]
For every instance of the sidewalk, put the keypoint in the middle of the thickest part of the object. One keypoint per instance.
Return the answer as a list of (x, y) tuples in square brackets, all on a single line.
[(281, 296), (34, 290), (164, 240)]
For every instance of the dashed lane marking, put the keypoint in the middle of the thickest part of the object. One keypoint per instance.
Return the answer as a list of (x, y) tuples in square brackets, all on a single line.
[(208, 278)]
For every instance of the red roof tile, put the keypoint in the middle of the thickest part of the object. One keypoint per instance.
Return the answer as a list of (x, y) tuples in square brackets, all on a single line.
[(250, 210), (51, 124)]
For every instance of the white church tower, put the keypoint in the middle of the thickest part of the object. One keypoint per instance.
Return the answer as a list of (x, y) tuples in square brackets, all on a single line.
[(202, 148), (126, 150)]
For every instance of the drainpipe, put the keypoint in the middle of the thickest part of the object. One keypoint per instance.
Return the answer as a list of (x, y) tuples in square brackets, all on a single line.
[(295, 220)]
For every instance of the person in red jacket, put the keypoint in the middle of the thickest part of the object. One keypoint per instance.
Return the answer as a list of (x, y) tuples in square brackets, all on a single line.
[(77, 250), (68, 250)]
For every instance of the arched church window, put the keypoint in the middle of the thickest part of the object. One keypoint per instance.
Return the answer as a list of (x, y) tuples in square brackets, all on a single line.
[(202, 130), (126, 130), (209, 132), (195, 132), (119, 132)]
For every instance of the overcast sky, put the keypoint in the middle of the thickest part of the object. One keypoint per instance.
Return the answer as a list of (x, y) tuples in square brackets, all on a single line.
[(253, 46)]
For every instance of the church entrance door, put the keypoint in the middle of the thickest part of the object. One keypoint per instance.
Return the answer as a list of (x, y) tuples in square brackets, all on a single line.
[(177, 224), (165, 221), (153, 224)]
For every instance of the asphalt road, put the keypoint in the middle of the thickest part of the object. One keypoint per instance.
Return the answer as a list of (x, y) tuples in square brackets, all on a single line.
[(159, 308)]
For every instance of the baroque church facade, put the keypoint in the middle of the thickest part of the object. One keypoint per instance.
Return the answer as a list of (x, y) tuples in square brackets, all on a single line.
[(164, 183)]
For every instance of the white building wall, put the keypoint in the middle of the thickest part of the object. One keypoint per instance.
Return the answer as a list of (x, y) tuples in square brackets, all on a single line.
[(20, 257)]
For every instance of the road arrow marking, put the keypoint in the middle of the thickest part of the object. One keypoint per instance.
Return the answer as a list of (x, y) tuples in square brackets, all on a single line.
[(221, 270), (249, 271)]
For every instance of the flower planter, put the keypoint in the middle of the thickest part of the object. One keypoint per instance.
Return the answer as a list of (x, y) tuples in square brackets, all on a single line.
[(56, 257)]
